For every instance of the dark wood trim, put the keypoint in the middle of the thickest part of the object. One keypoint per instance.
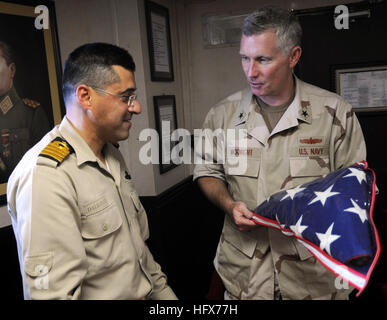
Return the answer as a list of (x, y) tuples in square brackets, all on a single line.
[(157, 202)]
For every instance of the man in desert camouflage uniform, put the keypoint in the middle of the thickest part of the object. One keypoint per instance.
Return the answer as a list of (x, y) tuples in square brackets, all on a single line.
[(294, 133)]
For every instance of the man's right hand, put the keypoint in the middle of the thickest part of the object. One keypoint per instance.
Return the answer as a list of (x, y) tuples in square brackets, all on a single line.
[(242, 216), (216, 191)]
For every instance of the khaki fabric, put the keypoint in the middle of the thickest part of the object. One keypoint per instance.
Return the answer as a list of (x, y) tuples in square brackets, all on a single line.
[(318, 134), (80, 226)]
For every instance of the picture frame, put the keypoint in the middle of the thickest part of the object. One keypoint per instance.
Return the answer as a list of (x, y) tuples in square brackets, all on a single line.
[(222, 30), (166, 123), (364, 86), (38, 70), (159, 42)]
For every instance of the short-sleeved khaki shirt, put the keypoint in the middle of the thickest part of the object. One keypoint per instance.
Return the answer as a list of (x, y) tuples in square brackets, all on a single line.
[(318, 134), (80, 226)]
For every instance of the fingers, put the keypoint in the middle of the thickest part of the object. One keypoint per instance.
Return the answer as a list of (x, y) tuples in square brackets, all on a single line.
[(242, 217)]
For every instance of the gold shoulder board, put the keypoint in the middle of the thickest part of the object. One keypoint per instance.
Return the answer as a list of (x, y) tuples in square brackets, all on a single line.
[(31, 103), (57, 150)]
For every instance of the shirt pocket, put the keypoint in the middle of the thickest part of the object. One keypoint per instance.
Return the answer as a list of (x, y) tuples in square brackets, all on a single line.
[(37, 268), (302, 251), (243, 167), (38, 265), (99, 219), (242, 182), (305, 169), (233, 260)]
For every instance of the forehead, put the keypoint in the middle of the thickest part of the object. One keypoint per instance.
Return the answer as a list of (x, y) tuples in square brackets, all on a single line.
[(260, 44)]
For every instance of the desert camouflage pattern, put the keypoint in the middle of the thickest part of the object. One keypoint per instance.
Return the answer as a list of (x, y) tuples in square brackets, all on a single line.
[(318, 134)]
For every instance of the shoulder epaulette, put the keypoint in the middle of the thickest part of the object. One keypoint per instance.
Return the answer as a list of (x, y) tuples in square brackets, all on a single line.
[(57, 150), (31, 103)]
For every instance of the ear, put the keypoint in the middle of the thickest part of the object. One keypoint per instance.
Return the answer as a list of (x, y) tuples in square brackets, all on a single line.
[(83, 94), (294, 56), (12, 68)]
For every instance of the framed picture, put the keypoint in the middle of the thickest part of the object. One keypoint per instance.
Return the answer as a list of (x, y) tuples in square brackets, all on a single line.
[(222, 30), (159, 42), (166, 123), (30, 93), (363, 86)]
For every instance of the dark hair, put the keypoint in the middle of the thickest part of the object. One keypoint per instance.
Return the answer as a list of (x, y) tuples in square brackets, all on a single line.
[(283, 22), (91, 64), (7, 53)]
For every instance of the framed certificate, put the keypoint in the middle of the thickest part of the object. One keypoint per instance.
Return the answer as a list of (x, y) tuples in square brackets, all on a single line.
[(166, 123), (364, 87), (159, 42)]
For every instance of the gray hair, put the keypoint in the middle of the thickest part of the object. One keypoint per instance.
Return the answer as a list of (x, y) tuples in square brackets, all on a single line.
[(284, 23)]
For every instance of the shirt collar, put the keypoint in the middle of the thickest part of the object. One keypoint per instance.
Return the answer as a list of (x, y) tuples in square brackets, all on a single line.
[(246, 106), (12, 94), (80, 146), (299, 109), (304, 109), (85, 154)]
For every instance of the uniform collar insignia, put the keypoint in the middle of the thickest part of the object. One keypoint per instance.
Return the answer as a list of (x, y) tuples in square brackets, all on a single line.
[(6, 104), (305, 112), (244, 108)]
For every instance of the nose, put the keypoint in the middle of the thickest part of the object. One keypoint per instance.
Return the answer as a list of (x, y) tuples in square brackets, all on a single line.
[(253, 69), (135, 107)]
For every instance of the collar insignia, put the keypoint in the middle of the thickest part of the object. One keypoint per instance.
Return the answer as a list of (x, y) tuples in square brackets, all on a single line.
[(6, 104)]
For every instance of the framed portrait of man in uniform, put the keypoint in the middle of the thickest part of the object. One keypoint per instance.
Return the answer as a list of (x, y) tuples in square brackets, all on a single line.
[(30, 74)]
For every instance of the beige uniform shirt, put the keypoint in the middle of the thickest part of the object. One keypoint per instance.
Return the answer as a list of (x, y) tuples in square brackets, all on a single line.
[(80, 226), (318, 134)]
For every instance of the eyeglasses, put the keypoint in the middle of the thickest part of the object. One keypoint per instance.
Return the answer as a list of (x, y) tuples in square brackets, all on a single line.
[(124, 98)]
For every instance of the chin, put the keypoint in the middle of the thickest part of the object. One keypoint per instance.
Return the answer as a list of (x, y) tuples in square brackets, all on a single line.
[(124, 136), (119, 137), (259, 93)]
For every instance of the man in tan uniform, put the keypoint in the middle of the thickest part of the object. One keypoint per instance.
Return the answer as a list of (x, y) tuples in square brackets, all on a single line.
[(79, 224), (294, 133)]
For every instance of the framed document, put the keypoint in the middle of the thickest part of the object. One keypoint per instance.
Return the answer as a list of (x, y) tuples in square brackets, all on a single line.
[(166, 123), (222, 30), (159, 42), (364, 87), (28, 37)]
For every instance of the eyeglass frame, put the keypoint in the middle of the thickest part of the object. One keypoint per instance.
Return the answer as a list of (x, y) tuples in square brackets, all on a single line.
[(130, 98)]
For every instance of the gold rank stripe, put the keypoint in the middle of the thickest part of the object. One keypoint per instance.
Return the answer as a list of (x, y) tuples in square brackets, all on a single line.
[(52, 150), (55, 155), (57, 150)]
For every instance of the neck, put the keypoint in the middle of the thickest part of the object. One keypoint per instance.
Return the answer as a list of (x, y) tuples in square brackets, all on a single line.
[(87, 132), (4, 94), (96, 145), (287, 92)]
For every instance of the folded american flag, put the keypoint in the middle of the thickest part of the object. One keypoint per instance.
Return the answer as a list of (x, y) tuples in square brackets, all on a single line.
[(332, 218)]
